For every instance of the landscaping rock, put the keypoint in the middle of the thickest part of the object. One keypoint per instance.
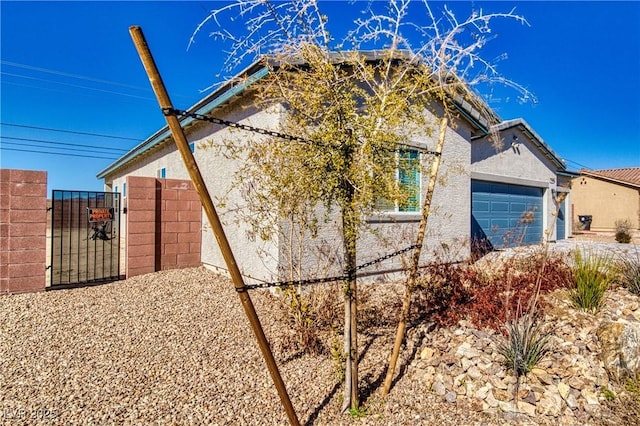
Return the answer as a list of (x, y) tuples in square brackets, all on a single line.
[(620, 342)]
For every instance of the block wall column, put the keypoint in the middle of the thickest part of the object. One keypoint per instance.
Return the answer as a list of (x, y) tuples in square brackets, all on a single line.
[(180, 215), (23, 231), (141, 226)]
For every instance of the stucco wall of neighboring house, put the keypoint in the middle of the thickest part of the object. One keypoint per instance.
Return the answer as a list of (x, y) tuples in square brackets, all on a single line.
[(606, 202), (519, 164)]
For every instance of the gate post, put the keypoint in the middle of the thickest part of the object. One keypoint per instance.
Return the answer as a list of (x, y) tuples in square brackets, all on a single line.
[(23, 230)]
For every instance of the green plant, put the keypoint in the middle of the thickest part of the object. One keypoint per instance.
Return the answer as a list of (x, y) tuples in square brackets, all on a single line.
[(629, 272), (359, 412), (608, 394), (623, 231), (301, 316), (523, 344), (338, 357), (633, 386), (592, 275)]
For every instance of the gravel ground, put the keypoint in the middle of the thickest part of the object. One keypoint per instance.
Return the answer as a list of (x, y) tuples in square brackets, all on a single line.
[(175, 348)]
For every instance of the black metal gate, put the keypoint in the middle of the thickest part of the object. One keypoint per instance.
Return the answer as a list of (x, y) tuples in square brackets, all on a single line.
[(85, 237)]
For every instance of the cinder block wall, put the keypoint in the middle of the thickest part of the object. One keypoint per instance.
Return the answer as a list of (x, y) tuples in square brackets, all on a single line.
[(23, 228), (164, 229)]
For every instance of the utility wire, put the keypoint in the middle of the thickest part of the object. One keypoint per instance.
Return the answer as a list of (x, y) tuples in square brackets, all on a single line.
[(69, 131), (62, 149), (80, 77), (58, 153), (63, 143), (147, 98)]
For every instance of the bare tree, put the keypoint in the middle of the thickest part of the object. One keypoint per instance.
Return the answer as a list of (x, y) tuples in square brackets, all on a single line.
[(355, 106)]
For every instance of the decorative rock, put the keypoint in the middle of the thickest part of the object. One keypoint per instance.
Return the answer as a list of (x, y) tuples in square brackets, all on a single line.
[(551, 404), (526, 408), (438, 388), (491, 400), (484, 391), (620, 343), (497, 383), (451, 397), (563, 390), (590, 396), (572, 401), (542, 376), (576, 383), (474, 373), (530, 397), (427, 353), (466, 363)]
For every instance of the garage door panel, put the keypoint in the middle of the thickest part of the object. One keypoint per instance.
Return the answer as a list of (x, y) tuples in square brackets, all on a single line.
[(499, 207), (481, 206)]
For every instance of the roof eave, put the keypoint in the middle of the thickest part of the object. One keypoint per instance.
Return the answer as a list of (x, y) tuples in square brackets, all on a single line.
[(535, 138), (214, 100)]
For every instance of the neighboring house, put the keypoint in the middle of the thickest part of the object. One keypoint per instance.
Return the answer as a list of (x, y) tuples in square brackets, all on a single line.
[(607, 196), (485, 192)]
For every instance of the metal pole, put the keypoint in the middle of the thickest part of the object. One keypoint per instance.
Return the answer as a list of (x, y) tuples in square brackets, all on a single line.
[(194, 172)]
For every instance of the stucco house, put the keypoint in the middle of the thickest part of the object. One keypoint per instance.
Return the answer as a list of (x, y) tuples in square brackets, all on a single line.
[(607, 196), (502, 195)]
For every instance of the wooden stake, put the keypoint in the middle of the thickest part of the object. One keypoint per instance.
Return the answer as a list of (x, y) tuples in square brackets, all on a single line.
[(194, 172), (413, 273)]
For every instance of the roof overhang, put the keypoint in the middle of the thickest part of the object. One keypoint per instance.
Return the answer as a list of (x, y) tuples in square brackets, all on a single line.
[(216, 99), (597, 175), (475, 111)]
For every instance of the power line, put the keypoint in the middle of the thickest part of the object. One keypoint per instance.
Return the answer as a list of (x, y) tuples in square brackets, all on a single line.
[(64, 74), (69, 131), (146, 98), (57, 153), (81, 77), (63, 143), (62, 149)]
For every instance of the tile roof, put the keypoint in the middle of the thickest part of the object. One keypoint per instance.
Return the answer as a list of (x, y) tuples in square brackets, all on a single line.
[(629, 175)]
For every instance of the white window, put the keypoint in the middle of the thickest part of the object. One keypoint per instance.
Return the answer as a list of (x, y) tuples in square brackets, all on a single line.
[(408, 176), (162, 173)]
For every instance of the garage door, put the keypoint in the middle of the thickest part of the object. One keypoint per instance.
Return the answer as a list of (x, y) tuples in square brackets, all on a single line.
[(504, 215), (560, 222)]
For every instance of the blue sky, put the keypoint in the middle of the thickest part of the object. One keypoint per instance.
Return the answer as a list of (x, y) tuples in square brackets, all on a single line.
[(72, 66)]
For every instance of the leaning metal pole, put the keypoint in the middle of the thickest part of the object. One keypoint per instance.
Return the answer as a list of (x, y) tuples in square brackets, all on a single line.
[(194, 172)]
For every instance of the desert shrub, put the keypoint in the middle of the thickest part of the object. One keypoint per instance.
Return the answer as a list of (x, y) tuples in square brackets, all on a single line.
[(629, 273), (442, 292), (487, 295), (304, 335), (623, 231), (522, 345), (592, 275)]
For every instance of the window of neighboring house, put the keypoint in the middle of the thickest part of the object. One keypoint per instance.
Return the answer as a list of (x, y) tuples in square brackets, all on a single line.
[(124, 189), (408, 177), (162, 173), (192, 147), (115, 188)]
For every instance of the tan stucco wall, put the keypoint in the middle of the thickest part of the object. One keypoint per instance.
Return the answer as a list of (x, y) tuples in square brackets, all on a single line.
[(607, 202)]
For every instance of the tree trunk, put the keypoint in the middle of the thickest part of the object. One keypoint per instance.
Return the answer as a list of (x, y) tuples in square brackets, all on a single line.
[(349, 238), (413, 272)]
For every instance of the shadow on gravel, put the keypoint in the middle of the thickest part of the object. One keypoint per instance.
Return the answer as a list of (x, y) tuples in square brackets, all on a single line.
[(402, 370), (364, 395)]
